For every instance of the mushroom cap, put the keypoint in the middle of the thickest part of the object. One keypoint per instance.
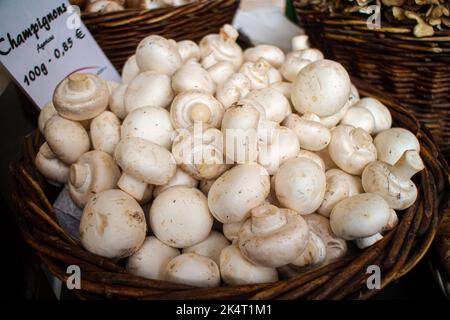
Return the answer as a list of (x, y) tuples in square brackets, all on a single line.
[(180, 217), (130, 70), (235, 88), (327, 161), (274, 75), (193, 269), (199, 151), (117, 101), (359, 117), (47, 112), (53, 169), (188, 50), (151, 259), (314, 254), (67, 139), (351, 149), (380, 113), (196, 106), (292, 66), (392, 143), (104, 6), (273, 237), (145, 161), (148, 89), (112, 225), (150, 123), (272, 54), (192, 76), (300, 185), (333, 120), (257, 72), (360, 216), (221, 72), (322, 88), (237, 191), (238, 270), (81, 96), (211, 247), (94, 172), (312, 156), (340, 185), (312, 134), (275, 104), (180, 178), (231, 230), (155, 53), (335, 247), (284, 88), (105, 132)]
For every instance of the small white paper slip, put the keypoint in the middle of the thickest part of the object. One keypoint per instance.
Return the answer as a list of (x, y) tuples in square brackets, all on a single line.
[(42, 42)]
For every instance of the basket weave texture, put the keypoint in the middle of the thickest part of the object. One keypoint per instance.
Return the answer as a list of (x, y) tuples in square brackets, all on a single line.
[(415, 71), (397, 253), (119, 33)]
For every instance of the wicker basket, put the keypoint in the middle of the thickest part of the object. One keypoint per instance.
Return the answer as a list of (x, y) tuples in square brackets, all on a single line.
[(119, 33), (416, 71), (397, 253)]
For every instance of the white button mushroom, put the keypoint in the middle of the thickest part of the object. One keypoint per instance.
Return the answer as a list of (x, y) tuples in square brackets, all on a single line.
[(362, 217), (257, 72), (300, 185), (237, 191), (47, 112), (198, 150), (150, 123), (359, 117), (53, 169), (180, 178), (274, 75), (283, 87), (130, 70), (273, 237), (314, 254), (220, 72), (235, 88), (297, 60), (196, 106), (351, 149), (81, 97), (155, 53), (193, 269), (191, 76), (180, 217), (117, 101), (323, 88), (312, 134), (275, 104), (104, 6), (211, 247), (151, 259), (300, 42), (393, 183), (148, 89), (188, 50), (143, 163), (272, 54), (380, 113), (221, 47), (333, 120), (393, 142), (238, 270), (327, 161), (112, 225), (105, 132), (312, 156), (231, 230), (340, 185), (67, 139), (94, 172)]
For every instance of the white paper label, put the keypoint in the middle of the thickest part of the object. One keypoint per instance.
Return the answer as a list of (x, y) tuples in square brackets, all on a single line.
[(42, 42)]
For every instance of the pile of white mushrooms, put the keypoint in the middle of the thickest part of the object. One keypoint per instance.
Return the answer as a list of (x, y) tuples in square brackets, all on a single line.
[(211, 163), (106, 6)]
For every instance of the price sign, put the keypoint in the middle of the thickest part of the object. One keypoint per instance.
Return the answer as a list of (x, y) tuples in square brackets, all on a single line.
[(42, 42)]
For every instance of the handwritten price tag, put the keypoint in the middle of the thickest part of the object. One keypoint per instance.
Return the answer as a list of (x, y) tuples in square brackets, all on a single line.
[(42, 42)]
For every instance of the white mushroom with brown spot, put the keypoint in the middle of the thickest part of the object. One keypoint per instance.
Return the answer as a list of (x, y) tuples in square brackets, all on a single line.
[(392, 143), (273, 237), (54, 170), (81, 97), (151, 259), (393, 183), (105, 132), (351, 149), (193, 269), (300, 185), (180, 217), (112, 225), (150, 123), (143, 163), (237, 191), (196, 106), (363, 218), (235, 269), (211, 247), (312, 134), (192, 76)]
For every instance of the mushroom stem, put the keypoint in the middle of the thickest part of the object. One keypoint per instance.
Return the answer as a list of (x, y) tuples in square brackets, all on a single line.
[(78, 175), (368, 241), (228, 33), (134, 187), (300, 43), (267, 218), (78, 82), (200, 112), (408, 165), (360, 138)]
